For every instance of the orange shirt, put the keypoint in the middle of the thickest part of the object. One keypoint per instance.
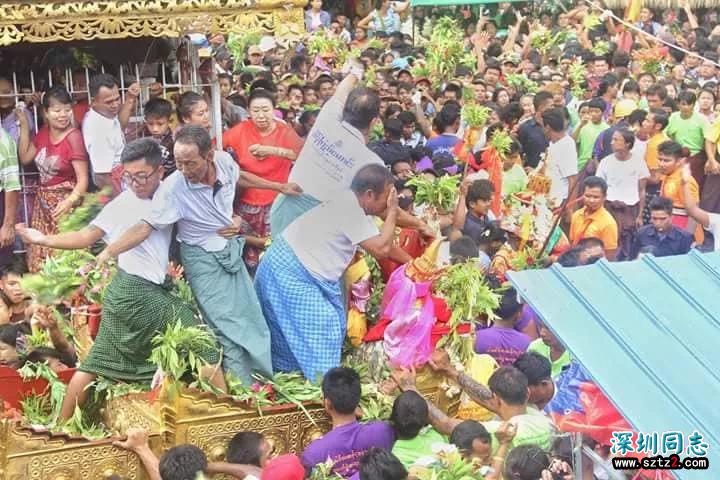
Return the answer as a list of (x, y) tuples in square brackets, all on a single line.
[(274, 169), (598, 224), (672, 188)]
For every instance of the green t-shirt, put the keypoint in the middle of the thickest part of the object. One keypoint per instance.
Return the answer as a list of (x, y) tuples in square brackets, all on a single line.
[(539, 346), (689, 133), (514, 180), (409, 451), (533, 428), (586, 141)]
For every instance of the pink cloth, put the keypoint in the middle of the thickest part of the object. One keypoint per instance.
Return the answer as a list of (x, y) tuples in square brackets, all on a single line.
[(407, 338)]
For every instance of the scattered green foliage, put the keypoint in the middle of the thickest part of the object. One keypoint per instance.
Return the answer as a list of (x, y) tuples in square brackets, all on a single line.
[(501, 141), (522, 83), (80, 217), (440, 193), (180, 349), (475, 115)]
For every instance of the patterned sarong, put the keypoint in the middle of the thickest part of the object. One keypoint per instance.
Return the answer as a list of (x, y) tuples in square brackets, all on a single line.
[(286, 209), (224, 291), (256, 223), (134, 311), (305, 314), (46, 200)]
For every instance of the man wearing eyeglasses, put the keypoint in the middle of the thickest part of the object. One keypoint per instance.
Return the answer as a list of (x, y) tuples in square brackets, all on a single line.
[(136, 305)]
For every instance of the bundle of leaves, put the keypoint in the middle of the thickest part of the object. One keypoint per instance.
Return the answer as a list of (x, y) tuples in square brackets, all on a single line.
[(475, 115), (501, 141), (374, 404), (372, 309), (293, 388), (577, 73), (80, 217), (601, 47), (440, 193), (180, 349), (320, 43), (450, 466), (522, 83), (447, 50), (238, 43), (468, 296)]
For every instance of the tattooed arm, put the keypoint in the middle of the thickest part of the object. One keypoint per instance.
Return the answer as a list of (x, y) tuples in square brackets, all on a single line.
[(479, 393)]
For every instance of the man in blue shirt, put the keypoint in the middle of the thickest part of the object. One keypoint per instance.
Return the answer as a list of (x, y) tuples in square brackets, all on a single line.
[(661, 237), (531, 134)]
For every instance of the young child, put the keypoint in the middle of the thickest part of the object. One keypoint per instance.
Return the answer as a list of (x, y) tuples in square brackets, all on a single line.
[(157, 126), (473, 210), (14, 305)]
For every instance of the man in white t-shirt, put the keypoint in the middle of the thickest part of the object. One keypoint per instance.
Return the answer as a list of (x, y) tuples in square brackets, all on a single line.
[(335, 149), (709, 221), (626, 175), (298, 280), (561, 156), (103, 128), (136, 305)]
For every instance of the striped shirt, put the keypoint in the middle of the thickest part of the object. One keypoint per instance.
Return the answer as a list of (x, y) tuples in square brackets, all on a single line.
[(9, 171)]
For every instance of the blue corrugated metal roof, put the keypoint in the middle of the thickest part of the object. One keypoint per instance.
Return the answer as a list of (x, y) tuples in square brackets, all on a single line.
[(648, 332)]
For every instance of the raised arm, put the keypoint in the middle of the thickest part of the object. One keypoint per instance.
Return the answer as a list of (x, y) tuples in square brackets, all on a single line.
[(137, 442), (250, 180), (64, 241), (26, 149), (130, 105), (479, 393)]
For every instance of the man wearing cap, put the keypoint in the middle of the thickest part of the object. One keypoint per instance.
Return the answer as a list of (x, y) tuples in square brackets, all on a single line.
[(255, 56), (603, 144)]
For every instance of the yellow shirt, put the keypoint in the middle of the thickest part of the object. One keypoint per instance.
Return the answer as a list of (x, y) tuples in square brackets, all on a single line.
[(712, 133), (598, 224), (651, 154)]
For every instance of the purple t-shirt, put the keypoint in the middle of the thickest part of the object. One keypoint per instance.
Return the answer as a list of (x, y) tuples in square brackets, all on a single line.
[(504, 344), (527, 316), (346, 445)]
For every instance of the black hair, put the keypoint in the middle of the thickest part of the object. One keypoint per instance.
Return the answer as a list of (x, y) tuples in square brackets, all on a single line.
[(657, 90), (186, 103), (509, 305), (463, 248), (379, 464), (142, 148), (510, 385), (466, 432), (341, 385), (244, 448), (492, 233), (540, 98), (627, 136), (526, 462), (194, 135), (598, 103), (101, 80), (361, 107), (183, 462), (16, 266), (296, 62), (660, 117), (10, 332), (595, 182), (511, 113), (371, 177), (322, 79), (409, 415), (661, 203), (294, 86), (497, 91), (631, 86), (157, 108), (554, 119), (393, 128), (570, 257), (263, 84), (58, 93), (479, 190), (687, 97), (708, 90), (449, 114), (407, 118), (42, 354), (261, 93), (392, 110), (588, 243), (534, 366), (671, 104), (637, 116), (672, 149), (307, 115), (452, 87), (406, 86)]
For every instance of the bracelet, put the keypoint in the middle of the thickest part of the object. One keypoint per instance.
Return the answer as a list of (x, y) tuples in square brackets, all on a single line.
[(497, 458)]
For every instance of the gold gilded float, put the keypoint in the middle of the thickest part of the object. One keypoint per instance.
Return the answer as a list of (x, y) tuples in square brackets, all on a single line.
[(175, 417), (67, 20)]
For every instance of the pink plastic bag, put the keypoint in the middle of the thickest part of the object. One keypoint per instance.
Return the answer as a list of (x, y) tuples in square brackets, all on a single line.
[(410, 308)]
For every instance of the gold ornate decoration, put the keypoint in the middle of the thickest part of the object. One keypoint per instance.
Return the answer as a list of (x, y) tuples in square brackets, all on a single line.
[(63, 20)]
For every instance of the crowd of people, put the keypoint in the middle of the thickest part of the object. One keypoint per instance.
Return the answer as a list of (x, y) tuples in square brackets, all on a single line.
[(317, 161)]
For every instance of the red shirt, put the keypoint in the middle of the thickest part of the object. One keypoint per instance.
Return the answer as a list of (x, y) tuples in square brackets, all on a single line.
[(54, 160), (274, 169)]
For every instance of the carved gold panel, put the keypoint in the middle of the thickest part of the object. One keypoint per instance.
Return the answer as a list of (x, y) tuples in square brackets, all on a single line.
[(62, 20)]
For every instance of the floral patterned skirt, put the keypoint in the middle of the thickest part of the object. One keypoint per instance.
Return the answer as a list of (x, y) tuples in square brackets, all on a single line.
[(46, 200), (256, 223)]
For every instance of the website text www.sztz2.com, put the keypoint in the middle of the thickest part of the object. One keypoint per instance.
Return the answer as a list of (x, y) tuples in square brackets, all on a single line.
[(673, 462)]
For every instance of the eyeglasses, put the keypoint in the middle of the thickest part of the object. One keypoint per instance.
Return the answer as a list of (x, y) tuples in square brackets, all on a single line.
[(139, 178)]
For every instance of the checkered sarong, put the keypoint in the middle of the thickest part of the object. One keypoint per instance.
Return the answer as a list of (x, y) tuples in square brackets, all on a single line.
[(134, 311), (305, 314)]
